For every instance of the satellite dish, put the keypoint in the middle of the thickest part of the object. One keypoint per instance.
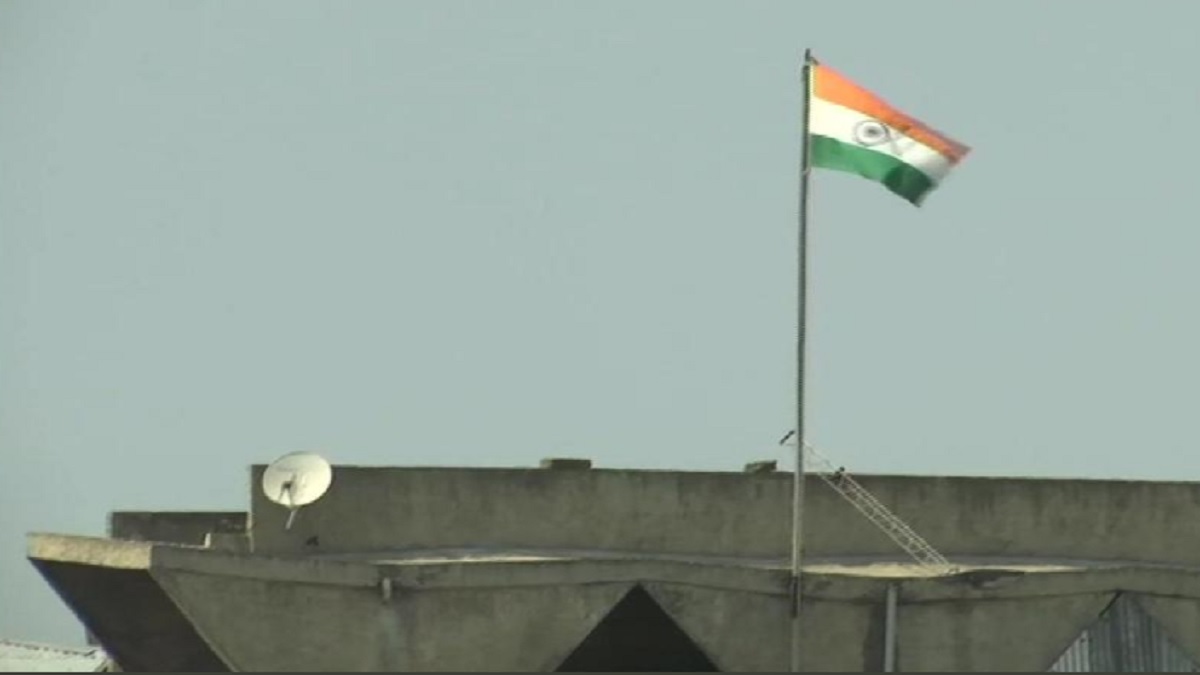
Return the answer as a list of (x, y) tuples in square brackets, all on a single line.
[(297, 479)]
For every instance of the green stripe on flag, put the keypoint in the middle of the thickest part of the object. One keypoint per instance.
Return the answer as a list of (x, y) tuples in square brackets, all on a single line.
[(900, 178)]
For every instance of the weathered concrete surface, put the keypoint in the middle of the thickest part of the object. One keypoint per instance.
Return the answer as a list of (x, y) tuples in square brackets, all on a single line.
[(502, 630), (1047, 519), (749, 632), (175, 527), (92, 551), (628, 571), (995, 635), (985, 584), (127, 612), (730, 514), (547, 588), (616, 510), (1179, 617), (529, 616), (279, 614), (309, 627), (546, 554), (208, 608), (740, 631), (280, 625), (841, 636)]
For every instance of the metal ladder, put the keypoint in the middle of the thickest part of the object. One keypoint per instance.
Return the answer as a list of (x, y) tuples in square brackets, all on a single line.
[(874, 510)]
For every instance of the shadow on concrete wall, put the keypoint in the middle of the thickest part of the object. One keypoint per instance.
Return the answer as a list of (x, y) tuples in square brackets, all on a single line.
[(637, 635), (139, 627)]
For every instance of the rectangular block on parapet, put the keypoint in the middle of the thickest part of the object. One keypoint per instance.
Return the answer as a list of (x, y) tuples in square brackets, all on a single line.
[(765, 466), (566, 463)]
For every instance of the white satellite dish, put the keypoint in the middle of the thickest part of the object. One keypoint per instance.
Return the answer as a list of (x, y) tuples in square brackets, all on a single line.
[(297, 479)]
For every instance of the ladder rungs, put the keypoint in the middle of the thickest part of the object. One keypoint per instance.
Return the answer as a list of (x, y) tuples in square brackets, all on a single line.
[(879, 515)]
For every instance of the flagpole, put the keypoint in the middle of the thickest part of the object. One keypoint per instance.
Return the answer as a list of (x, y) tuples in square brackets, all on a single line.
[(801, 326)]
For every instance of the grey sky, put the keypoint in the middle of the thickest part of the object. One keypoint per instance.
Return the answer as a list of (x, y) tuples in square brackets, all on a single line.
[(484, 233)]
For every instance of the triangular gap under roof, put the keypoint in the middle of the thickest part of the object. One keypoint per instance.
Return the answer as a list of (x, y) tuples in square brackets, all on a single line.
[(1125, 639), (637, 635)]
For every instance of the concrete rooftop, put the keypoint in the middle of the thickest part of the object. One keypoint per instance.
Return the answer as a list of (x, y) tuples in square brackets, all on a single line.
[(397, 569)]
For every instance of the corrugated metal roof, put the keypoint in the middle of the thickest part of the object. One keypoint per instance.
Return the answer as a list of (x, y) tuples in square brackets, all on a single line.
[(1124, 640), (26, 657)]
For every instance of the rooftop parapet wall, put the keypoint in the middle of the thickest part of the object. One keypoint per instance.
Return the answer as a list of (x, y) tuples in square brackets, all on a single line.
[(175, 527), (667, 512), (729, 514), (1049, 518)]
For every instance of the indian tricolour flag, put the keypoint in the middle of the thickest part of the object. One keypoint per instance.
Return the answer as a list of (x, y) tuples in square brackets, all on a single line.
[(856, 131)]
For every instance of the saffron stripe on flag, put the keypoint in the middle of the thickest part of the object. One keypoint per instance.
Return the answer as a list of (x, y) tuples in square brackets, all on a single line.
[(831, 86)]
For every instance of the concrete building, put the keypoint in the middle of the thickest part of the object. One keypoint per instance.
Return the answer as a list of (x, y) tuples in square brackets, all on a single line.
[(429, 569)]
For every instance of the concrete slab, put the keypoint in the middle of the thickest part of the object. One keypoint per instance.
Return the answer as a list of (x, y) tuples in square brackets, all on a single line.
[(507, 609), (263, 624), (740, 632), (130, 615), (90, 551), (1024, 635), (328, 627), (526, 629)]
